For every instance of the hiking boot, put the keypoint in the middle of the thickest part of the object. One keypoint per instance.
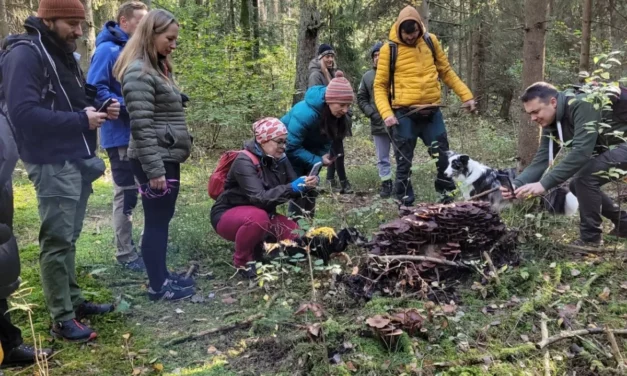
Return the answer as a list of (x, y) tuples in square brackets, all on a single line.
[(24, 355), (248, 272), (579, 243), (89, 308), (619, 234), (72, 331), (170, 291), (347, 189), (334, 186), (181, 281), (136, 265), (386, 189)]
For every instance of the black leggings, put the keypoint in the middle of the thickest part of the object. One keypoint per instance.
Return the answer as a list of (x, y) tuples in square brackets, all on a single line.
[(337, 147), (157, 215)]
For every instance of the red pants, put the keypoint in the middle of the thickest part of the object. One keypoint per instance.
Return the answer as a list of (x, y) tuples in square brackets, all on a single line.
[(248, 226)]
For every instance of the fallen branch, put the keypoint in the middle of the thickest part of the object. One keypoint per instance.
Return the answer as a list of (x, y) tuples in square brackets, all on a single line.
[(484, 193), (193, 268), (481, 359), (584, 293), (271, 301), (615, 350), (434, 260), (545, 335), (192, 337), (492, 268), (569, 334)]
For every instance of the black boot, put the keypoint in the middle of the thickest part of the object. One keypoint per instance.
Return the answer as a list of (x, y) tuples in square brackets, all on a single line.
[(89, 308), (386, 189), (619, 231), (24, 355), (72, 331), (346, 187)]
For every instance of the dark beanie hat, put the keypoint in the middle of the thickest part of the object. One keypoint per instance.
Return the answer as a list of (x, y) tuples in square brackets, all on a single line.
[(64, 9), (376, 48), (325, 50)]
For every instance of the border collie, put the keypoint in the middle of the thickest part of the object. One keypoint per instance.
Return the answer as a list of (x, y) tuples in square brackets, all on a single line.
[(475, 178)]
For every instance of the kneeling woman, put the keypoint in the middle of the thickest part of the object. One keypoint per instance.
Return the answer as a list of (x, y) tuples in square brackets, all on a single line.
[(313, 124), (246, 211)]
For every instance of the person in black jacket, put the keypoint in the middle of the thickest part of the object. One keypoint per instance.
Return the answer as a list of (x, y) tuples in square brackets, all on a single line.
[(16, 353), (55, 129), (246, 211)]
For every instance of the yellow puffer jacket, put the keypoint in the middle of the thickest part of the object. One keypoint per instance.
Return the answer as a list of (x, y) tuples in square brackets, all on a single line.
[(415, 74)]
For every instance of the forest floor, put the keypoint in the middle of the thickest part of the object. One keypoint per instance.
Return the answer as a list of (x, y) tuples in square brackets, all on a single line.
[(490, 330)]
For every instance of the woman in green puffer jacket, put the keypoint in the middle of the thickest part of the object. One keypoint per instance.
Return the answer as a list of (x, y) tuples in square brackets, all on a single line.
[(159, 142)]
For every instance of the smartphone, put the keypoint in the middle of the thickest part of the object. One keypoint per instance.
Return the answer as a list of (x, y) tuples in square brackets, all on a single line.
[(105, 105), (315, 170)]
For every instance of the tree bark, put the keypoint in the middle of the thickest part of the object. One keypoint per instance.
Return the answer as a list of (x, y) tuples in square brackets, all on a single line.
[(478, 62), (469, 45), (423, 9), (536, 14), (244, 18), (4, 21), (255, 21), (89, 38), (506, 105), (584, 57), (232, 14), (308, 29)]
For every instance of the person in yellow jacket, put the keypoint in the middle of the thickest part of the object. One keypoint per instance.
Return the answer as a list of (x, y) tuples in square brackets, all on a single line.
[(420, 61)]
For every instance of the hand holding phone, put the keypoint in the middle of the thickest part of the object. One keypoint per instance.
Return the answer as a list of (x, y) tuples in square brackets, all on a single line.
[(315, 169), (106, 105)]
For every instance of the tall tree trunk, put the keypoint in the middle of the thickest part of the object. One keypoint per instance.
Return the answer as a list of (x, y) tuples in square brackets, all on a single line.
[(308, 29), (536, 14), (232, 14), (506, 105), (423, 9), (244, 18), (255, 21), (4, 21), (88, 41), (584, 57), (469, 44), (460, 40), (611, 5), (478, 64), (263, 11)]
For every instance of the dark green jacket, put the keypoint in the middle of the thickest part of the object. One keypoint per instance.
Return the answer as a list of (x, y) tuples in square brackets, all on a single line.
[(365, 99), (158, 130), (575, 117)]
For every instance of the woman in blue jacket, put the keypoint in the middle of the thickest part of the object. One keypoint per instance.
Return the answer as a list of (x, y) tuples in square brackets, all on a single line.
[(312, 125)]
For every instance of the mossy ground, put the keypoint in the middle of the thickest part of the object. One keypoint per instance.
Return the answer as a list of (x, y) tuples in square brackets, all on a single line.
[(497, 325)]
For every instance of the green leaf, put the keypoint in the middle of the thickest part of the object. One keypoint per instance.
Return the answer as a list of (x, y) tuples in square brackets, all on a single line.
[(122, 306), (97, 271), (605, 75), (319, 262), (524, 274)]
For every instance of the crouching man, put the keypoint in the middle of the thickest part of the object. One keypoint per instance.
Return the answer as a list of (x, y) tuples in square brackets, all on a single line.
[(566, 120)]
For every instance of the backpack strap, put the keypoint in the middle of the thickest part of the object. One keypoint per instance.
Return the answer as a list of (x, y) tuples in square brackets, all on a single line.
[(427, 38), (393, 55), (253, 158), (27, 42)]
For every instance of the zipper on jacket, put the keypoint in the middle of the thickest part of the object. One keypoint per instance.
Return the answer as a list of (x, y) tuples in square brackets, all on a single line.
[(54, 69)]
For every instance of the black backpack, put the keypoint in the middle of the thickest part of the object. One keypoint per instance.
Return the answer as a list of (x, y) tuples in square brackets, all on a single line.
[(7, 45), (394, 53)]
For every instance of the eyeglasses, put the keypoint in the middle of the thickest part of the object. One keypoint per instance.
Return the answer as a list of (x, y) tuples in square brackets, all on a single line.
[(147, 192), (280, 142)]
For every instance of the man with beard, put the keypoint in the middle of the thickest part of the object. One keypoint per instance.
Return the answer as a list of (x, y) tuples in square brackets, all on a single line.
[(115, 134), (55, 127)]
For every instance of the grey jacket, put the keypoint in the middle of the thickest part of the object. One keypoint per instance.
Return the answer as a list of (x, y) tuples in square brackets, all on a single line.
[(158, 130), (316, 76), (365, 99), (9, 254)]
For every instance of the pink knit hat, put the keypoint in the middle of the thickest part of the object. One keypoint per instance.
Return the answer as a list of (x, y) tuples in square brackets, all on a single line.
[(339, 90), (268, 128)]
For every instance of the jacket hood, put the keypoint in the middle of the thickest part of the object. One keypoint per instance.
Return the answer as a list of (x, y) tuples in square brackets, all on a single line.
[(34, 25), (111, 32), (254, 147), (314, 66), (408, 13), (314, 97)]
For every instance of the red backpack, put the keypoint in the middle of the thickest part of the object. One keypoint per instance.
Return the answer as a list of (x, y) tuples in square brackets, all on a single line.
[(215, 187)]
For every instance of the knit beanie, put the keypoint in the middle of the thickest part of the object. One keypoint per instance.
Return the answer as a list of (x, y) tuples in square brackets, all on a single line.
[(339, 90), (65, 9), (375, 48), (268, 128), (325, 50)]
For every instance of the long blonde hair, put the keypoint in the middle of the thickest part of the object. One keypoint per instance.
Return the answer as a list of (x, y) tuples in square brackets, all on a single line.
[(142, 44)]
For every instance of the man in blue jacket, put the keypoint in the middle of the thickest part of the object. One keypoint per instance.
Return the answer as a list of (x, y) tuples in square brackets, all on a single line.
[(43, 88), (114, 134)]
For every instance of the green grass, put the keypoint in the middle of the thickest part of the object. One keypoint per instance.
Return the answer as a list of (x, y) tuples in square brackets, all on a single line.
[(275, 345)]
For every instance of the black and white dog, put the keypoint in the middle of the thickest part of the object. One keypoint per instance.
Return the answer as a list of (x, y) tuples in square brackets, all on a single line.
[(474, 178)]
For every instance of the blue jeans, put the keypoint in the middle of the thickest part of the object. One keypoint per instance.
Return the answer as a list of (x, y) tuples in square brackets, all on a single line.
[(431, 130)]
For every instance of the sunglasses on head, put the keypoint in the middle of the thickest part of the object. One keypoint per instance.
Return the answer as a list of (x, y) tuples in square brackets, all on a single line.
[(147, 192)]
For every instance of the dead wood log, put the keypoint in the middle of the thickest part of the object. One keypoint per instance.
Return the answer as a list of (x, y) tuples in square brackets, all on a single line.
[(615, 350), (434, 260), (573, 333), (192, 337), (545, 335)]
